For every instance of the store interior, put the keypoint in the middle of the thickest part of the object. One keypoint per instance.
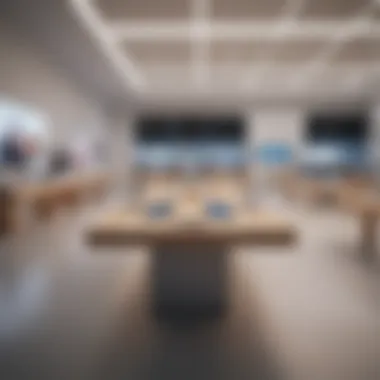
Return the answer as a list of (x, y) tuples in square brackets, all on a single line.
[(189, 189)]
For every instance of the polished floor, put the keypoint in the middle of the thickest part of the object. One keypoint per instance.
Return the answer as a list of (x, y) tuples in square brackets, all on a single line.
[(308, 313)]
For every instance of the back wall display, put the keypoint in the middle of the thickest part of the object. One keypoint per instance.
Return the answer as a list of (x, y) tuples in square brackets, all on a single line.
[(190, 130), (338, 128), (336, 143), (190, 140)]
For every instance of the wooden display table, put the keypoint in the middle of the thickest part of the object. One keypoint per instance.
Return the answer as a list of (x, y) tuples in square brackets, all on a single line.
[(319, 190), (46, 197), (42, 199), (364, 204), (190, 250), (7, 206)]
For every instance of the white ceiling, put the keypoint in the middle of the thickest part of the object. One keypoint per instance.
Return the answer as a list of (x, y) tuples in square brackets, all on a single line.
[(239, 46)]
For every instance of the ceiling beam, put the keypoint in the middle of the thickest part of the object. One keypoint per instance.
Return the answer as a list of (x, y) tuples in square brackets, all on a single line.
[(254, 71), (288, 19), (361, 23), (89, 16), (241, 31), (200, 43), (186, 90), (201, 31), (347, 76)]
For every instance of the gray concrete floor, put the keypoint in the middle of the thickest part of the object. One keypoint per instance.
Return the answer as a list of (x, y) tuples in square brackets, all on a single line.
[(308, 313)]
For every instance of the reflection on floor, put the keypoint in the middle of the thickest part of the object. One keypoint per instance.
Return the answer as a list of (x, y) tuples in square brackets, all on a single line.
[(310, 314)]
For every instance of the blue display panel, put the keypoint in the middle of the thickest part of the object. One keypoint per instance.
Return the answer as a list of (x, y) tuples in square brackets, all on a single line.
[(335, 158), (275, 154)]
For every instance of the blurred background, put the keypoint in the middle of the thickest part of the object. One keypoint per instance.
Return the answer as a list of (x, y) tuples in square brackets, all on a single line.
[(97, 97)]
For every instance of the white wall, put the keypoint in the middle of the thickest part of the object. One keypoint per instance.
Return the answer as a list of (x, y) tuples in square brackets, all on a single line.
[(27, 77), (121, 152), (277, 125), (375, 137)]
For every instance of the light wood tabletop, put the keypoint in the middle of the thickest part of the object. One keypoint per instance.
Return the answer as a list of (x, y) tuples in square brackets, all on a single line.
[(188, 223), (359, 201)]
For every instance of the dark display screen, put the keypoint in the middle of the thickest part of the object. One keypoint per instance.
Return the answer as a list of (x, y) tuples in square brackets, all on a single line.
[(190, 130), (154, 130), (337, 128)]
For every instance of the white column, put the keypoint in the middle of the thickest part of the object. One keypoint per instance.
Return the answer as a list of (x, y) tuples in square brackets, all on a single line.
[(121, 152), (278, 124), (374, 138), (275, 125)]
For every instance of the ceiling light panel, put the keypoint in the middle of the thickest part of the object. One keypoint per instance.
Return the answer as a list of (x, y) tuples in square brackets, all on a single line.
[(247, 9), (359, 50), (297, 51), (159, 52), (333, 9), (233, 53), (135, 10), (222, 76), (376, 13), (168, 77)]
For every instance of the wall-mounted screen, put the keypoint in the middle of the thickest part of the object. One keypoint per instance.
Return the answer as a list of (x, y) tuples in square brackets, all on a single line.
[(154, 130), (189, 129), (346, 128), (336, 143), (193, 140)]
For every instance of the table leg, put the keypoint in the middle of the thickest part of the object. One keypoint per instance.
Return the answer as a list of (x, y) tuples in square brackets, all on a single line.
[(368, 231), (189, 280), (7, 210)]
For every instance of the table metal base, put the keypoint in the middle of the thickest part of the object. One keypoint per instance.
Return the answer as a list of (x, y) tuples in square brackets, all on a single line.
[(369, 237), (189, 281)]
